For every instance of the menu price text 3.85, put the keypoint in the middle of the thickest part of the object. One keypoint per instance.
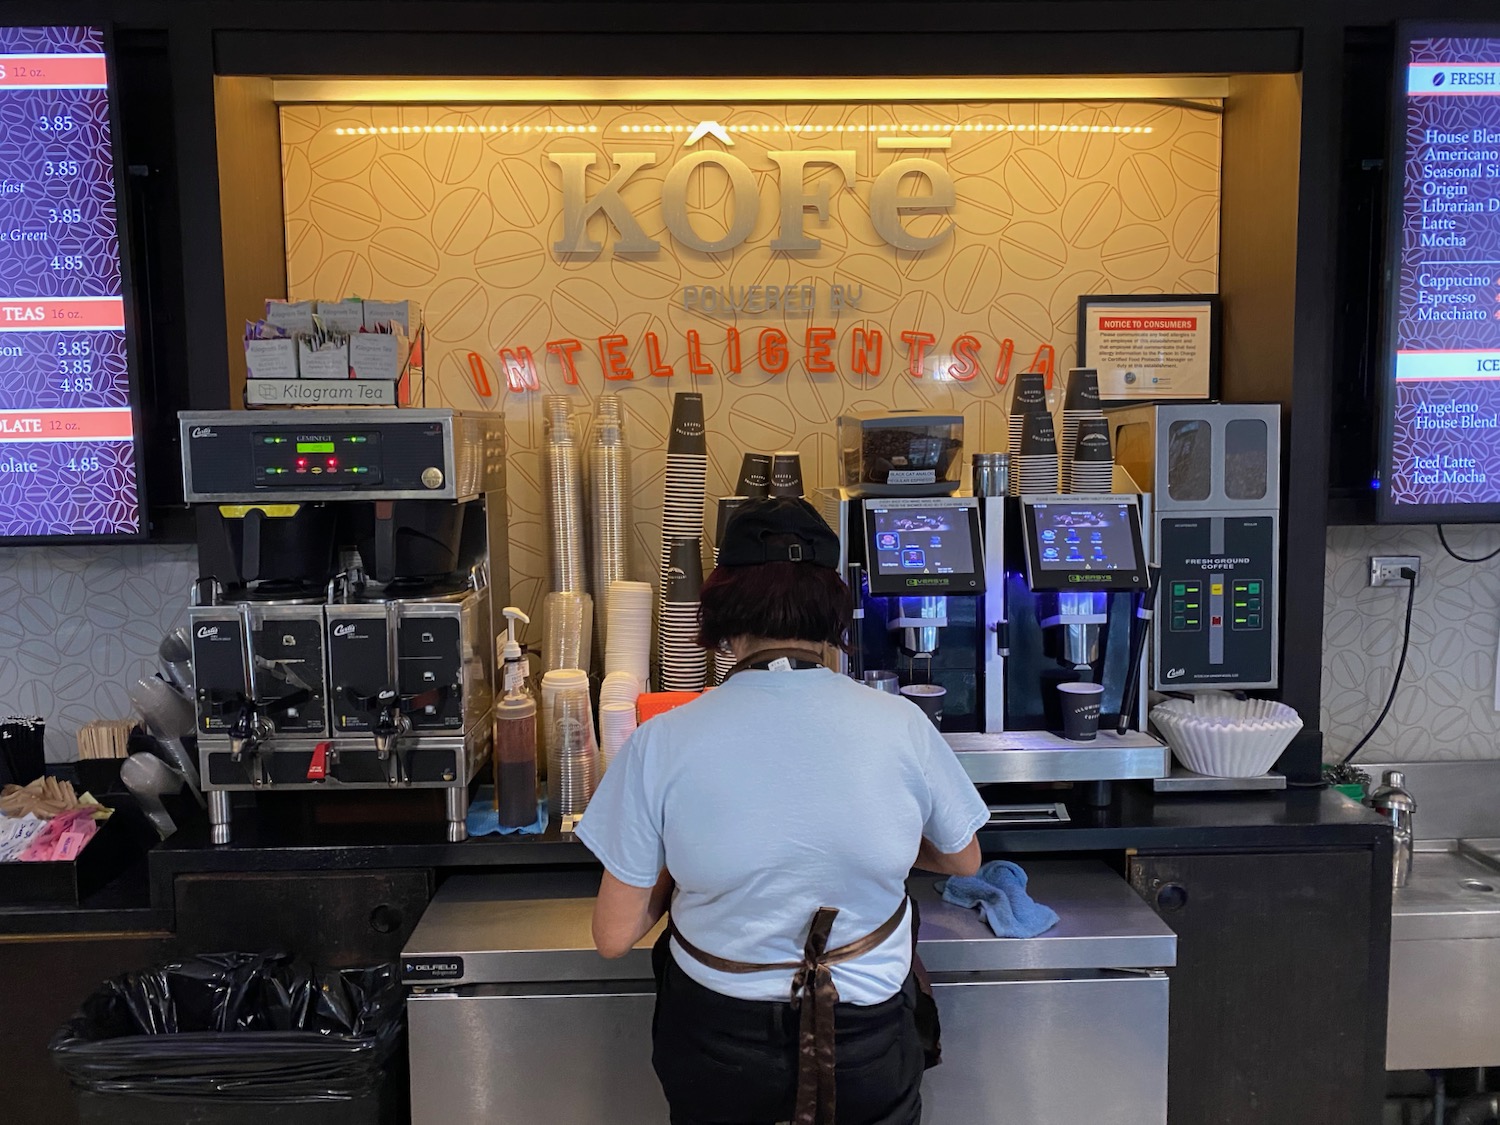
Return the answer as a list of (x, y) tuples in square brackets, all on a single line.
[(67, 440)]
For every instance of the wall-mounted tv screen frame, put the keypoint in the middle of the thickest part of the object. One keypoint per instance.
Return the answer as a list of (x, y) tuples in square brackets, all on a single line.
[(70, 461)]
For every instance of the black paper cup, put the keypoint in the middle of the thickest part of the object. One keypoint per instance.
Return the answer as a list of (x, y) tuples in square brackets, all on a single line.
[(727, 507), (1083, 389), (786, 474), (1038, 436), (755, 476), (929, 697), (687, 425), (684, 572), (1080, 710), (1092, 443), (1030, 395)]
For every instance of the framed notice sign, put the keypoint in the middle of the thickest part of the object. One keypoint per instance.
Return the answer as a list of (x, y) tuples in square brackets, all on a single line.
[(1151, 346)]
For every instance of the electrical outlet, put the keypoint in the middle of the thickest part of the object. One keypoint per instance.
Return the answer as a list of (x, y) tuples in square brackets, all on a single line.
[(1385, 570)]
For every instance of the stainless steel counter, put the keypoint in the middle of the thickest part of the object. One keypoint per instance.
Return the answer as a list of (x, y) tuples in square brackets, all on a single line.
[(515, 1018), (533, 928)]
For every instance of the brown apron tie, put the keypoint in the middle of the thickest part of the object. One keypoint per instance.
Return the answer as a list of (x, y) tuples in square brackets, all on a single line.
[(815, 997)]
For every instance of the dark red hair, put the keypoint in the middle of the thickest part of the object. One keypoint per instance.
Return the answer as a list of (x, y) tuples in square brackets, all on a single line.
[(781, 601)]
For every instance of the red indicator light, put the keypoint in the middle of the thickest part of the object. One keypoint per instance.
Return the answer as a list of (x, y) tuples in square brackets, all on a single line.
[(301, 462), (333, 462)]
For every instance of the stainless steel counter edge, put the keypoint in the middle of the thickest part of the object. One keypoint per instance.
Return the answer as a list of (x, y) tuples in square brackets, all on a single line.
[(1041, 757), (496, 929)]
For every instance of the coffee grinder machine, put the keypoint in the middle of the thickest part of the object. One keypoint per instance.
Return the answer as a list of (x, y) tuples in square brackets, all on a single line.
[(344, 632), (1214, 469)]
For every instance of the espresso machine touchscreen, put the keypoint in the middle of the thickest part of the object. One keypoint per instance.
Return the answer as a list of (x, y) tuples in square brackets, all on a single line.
[(344, 630)]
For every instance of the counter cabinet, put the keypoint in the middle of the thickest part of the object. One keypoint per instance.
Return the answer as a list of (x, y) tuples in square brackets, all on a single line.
[(1278, 1009)]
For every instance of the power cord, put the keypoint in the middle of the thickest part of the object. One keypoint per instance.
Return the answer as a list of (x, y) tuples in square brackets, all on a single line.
[(1443, 539), (1411, 600)]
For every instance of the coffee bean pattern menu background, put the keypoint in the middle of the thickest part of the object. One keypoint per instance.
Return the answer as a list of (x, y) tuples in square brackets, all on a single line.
[(462, 208)]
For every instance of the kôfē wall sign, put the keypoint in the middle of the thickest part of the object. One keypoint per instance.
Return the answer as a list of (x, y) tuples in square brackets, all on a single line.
[(865, 350)]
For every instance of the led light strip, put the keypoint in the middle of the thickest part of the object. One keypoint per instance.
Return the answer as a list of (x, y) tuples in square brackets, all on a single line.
[(364, 131), (371, 130)]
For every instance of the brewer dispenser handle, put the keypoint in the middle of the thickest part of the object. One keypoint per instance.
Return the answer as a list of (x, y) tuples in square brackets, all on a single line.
[(385, 540)]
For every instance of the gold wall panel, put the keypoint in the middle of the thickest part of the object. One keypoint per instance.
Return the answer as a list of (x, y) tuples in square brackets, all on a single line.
[(461, 208)]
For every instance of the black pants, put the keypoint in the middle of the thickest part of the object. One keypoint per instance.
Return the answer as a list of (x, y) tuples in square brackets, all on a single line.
[(724, 1061)]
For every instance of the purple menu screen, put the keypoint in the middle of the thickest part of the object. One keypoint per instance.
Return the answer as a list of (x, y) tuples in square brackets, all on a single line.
[(1445, 429), (67, 434)]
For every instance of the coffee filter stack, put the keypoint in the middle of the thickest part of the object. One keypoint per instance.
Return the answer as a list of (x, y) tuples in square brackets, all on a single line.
[(562, 486), (1033, 437), (609, 508), (1080, 404), (684, 665)]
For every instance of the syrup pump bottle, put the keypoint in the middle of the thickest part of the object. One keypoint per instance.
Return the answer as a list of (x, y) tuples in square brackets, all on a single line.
[(515, 733)]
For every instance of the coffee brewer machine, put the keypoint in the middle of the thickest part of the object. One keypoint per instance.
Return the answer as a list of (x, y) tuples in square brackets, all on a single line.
[(999, 599), (344, 632), (1214, 470)]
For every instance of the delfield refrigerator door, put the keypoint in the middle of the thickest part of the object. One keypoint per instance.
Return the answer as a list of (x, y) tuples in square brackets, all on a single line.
[(514, 1019)]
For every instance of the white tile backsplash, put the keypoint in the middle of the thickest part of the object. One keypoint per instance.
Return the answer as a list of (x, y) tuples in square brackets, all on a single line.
[(78, 624), (1445, 706)]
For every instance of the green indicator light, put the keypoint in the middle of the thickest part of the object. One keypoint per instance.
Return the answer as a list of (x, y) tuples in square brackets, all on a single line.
[(1192, 605)]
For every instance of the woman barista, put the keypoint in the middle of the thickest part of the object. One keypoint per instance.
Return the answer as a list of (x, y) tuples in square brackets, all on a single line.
[(781, 814)]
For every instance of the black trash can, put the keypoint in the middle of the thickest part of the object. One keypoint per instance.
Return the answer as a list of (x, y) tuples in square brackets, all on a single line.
[(240, 1039)]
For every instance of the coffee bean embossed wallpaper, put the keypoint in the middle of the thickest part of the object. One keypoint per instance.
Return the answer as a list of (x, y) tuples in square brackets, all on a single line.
[(790, 262)]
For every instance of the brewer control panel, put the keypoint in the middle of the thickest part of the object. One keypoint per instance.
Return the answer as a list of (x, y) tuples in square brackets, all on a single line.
[(243, 456), (1216, 613)]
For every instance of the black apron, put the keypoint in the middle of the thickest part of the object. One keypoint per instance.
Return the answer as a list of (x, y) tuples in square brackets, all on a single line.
[(814, 997)]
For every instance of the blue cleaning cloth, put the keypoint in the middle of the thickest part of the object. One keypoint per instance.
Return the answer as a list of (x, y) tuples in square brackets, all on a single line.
[(999, 891), (484, 818)]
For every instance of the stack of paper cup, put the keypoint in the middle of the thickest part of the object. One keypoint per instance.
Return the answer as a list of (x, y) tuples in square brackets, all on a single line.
[(609, 507), (687, 477), (628, 643), (1080, 401), (562, 487), (724, 661), (682, 520), (755, 476), (1034, 469), (786, 474), (684, 663), (1092, 466), (572, 748), (1029, 397), (616, 725), (620, 687), (567, 632)]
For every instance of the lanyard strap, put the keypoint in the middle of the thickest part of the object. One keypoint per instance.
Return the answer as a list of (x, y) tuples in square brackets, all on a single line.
[(797, 657)]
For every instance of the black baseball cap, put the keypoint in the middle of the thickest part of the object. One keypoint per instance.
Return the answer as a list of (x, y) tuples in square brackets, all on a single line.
[(780, 529)]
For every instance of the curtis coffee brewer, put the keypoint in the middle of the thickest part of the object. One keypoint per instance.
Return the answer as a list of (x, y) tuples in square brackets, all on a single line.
[(354, 573)]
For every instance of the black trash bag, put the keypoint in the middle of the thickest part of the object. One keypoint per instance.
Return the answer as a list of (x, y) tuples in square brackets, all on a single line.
[(236, 1027)]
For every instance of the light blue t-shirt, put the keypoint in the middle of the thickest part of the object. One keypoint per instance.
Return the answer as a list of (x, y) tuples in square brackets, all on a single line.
[(771, 796)]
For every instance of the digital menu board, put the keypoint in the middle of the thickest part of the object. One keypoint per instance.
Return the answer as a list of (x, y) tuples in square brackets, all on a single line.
[(1441, 453), (68, 463)]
